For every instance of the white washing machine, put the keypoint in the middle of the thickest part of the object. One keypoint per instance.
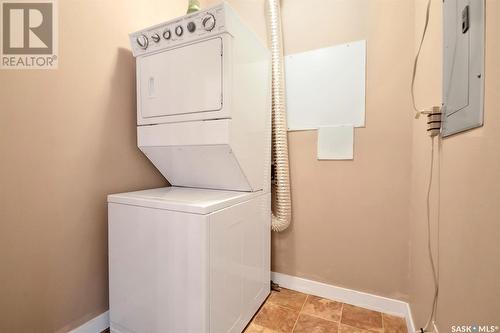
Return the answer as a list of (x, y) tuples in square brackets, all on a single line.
[(187, 260), (195, 257)]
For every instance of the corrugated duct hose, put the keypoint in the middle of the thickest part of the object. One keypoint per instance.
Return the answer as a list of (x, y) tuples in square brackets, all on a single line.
[(282, 214)]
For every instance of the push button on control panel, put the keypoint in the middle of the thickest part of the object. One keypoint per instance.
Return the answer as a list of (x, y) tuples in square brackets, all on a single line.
[(191, 26), (179, 30)]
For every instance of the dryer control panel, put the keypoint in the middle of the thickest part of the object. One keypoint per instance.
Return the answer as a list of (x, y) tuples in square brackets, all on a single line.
[(181, 30)]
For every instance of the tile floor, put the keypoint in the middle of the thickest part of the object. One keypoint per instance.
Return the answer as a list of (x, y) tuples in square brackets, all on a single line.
[(289, 311)]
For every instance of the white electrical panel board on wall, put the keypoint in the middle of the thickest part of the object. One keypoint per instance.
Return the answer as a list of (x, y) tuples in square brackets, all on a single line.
[(326, 87), (463, 65)]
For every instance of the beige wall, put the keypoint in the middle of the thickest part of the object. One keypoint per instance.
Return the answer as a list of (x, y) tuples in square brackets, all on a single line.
[(469, 183), (67, 139), (350, 218)]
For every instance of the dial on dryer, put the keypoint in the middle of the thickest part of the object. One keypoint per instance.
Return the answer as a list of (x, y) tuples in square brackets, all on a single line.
[(142, 41), (208, 22), (155, 38)]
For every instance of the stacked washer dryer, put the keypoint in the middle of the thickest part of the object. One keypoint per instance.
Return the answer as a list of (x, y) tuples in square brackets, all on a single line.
[(195, 257)]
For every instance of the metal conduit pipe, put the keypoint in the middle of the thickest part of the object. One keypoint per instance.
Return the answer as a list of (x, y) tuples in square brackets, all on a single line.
[(282, 214)]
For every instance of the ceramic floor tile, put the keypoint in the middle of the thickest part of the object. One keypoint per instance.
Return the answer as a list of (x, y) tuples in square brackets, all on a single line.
[(323, 308), (288, 310), (393, 324), (362, 318), (349, 329), (310, 324), (277, 318), (254, 328), (288, 298)]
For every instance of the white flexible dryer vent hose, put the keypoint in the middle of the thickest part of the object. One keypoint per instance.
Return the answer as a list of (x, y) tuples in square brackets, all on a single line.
[(283, 207)]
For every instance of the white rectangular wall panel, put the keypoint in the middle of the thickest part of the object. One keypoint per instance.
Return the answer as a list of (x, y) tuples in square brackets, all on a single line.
[(463, 65), (336, 143), (326, 87)]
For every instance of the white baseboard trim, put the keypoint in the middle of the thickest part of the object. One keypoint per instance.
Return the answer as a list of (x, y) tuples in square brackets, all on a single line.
[(96, 325), (349, 296), (344, 295)]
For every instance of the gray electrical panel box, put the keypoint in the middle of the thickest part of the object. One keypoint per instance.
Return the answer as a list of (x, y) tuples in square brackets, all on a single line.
[(463, 65)]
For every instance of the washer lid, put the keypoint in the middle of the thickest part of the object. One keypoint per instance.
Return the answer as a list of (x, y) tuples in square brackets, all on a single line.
[(183, 199)]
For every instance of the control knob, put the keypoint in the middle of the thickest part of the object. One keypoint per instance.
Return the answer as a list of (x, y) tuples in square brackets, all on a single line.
[(167, 34), (142, 41), (155, 38), (208, 22)]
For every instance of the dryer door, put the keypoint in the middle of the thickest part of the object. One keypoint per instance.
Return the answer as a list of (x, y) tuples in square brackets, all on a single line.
[(182, 80)]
